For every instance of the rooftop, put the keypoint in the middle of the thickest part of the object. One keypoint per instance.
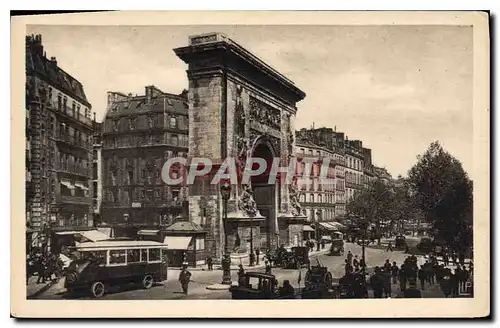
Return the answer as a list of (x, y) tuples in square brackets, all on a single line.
[(48, 70)]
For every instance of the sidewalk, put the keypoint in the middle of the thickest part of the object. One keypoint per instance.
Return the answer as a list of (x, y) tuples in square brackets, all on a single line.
[(33, 289)]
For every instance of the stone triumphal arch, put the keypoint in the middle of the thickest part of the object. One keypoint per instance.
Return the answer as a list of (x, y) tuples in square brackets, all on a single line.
[(240, 107)]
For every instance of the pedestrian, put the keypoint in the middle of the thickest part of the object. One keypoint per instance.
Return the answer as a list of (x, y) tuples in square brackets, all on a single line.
[(454, 284), (287, 291), (210, 263), (40, 263), (461, 258), (349, 257), (395, 272), (184, 278), (412, 291), (377, 283), (422, 277), (241, 275), (387, 265), (389, 247), (428, 272), (257, 255), (387, 283), (323, 244), (446, 283), (268, 266), (355, 262), (403, 277), (446, 259)]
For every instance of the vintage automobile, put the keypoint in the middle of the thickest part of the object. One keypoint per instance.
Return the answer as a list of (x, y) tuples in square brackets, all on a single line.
[(294, 258), (116, 262), (257, 286), (318, 283), (400, 242), (337, 247)]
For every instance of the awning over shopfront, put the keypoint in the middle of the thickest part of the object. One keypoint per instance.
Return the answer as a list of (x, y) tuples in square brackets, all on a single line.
[(148, 232), (177, 242), (67, 184), (81, 186), (307, 228), (337, 225), (326, 226), (93, 235), (65, 233)]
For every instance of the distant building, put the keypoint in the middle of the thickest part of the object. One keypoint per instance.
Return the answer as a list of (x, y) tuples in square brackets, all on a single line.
[(322, 202), (355, 167), (368, 172), (382, 174), (59, 134), (140, 133)]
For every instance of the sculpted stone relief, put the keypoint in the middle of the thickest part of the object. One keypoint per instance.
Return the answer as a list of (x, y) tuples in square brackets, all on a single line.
[(264, 114), (294, 194)]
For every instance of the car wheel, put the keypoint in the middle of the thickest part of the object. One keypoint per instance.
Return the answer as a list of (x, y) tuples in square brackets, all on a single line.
[(147, 282), (97, 289)]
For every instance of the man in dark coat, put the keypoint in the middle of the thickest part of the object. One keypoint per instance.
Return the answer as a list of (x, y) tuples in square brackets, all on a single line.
[(412, 291), (403, 276), (257, 256), (210, 263), (287, 291), (184, 278), (241, 275), (377, 283), (394, 272), (422, 277)]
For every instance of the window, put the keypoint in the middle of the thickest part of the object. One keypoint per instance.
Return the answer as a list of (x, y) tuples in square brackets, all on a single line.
[(151, 120), (175, 195), (175, 140), (130, 176), (302, 150), (73, 108), (59, 102), (86, 112), (144, 255), (131, 123), (154, 255), (117, 257), (78, 110), (173, 122), (133, 255), (115, 125)]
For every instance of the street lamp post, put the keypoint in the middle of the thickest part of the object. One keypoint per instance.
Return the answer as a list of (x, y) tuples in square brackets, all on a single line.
[(318, 214), (225, 191), (252, 255)]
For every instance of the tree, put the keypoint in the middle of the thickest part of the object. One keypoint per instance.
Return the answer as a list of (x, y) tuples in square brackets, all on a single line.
[(373, 203), (443, 192)]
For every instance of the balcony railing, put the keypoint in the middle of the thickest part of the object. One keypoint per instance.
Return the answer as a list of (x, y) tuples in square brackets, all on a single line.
[(71, 140), (74, 169), (76, 199), (74, 115)]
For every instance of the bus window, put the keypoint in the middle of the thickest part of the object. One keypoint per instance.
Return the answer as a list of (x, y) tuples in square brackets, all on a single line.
[(99, 256), (133, 255), (144, 255), (154, 255), (117, 257)]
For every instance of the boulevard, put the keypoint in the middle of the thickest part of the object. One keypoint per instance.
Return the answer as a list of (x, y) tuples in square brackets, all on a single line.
[(171, 289)]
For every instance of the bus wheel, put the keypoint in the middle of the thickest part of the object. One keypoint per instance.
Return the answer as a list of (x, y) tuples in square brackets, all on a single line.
[(147, 281), (97, 289)]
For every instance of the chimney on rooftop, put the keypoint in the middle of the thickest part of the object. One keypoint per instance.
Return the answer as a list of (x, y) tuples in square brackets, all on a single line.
[(53, 60)]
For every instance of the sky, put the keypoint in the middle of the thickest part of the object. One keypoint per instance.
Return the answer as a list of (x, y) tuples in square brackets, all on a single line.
[(396, 88)]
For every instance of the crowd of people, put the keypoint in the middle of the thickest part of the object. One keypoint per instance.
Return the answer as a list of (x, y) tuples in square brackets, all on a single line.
[(411, 277), (46, 265)]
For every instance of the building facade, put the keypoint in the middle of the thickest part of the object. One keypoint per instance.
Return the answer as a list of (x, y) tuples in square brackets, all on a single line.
[(97, 173), (354, 167), (323, 202), (140, 133), (59, 134)]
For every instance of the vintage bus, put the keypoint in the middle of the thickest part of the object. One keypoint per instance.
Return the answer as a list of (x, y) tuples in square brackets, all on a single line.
[(116, 262)]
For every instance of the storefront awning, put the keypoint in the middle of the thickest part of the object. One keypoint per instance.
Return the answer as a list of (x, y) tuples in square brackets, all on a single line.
[(94, 235), (307, 228), (81, 186), (337, 225), (326, 226), (177, 242), (67, 184), (148, 232), (65, 233)]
